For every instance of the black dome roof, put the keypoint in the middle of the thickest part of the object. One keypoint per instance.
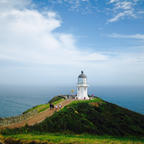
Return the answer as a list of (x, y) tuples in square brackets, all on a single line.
[(82, 75)]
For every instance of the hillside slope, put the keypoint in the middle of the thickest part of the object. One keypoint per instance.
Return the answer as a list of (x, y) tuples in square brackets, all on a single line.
[(37, 118), (90, 116)]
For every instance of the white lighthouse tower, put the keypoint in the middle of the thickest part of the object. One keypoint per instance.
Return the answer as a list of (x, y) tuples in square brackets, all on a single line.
[(82, 86)]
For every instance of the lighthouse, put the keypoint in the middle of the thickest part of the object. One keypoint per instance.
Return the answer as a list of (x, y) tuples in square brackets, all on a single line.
[(82, 86)]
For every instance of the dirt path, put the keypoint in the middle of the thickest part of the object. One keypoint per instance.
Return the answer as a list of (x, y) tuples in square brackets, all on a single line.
[(37, 118)]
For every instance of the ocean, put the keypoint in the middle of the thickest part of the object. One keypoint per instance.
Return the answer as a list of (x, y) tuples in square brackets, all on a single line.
[(16, 99)]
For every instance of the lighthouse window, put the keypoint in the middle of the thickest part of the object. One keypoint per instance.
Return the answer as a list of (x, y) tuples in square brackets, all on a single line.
[(80, 80)]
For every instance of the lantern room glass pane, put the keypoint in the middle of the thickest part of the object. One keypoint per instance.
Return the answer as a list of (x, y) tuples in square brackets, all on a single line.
[(80, 80)]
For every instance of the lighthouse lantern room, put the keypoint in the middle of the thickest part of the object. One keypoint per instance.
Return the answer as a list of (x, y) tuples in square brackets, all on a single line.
[(82, 86)]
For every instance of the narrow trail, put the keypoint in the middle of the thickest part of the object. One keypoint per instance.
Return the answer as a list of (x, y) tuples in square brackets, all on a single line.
[(39, 117)]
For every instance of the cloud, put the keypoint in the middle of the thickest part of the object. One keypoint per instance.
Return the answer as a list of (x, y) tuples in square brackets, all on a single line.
[(121, 15), (112, 1), (122, 9), (135, 36), (6, 5), (117, 17), (115, 9), (30, 36), (32, 50), (125, 5)]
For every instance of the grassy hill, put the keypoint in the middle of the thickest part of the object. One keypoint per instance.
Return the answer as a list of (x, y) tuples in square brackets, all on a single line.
[(91, 116), (43, 107), (94, 117)]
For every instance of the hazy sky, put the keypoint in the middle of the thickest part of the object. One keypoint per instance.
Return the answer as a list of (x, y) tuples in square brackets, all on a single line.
[(51, 41)]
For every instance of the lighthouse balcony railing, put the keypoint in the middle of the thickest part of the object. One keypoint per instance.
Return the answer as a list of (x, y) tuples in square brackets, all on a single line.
[(82, 85)]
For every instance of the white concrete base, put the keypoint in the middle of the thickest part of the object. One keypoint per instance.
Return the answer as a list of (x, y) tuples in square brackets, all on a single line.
[(86, 98)]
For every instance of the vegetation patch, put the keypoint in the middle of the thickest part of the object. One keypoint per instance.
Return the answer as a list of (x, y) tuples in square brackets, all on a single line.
[(43, 107), (96, 104), (56, 98), (60, 138)]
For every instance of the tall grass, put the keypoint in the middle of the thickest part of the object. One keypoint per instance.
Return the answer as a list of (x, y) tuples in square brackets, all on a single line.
[(72, 138)]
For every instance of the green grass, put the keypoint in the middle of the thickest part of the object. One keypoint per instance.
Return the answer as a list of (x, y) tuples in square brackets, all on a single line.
[(96, 100), (73, 138), (43, 107), (56, 98)]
